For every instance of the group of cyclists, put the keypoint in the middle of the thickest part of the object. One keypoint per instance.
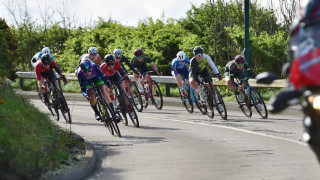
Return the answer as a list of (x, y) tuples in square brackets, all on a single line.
[(103, 73)]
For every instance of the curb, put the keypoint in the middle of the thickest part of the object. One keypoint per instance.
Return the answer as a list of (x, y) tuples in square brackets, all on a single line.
[(84, 169)]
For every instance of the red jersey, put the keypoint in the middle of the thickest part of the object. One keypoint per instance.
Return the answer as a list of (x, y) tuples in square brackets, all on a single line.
[(39, 68), (117, 67)]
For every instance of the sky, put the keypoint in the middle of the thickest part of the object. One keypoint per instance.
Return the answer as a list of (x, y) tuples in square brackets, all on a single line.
[(127, 12)]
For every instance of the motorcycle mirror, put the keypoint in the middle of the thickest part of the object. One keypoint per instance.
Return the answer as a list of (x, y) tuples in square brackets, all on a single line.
[(266, 78)]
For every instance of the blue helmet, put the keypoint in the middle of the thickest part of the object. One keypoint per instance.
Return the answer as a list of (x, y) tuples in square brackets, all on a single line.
[(86, 65)]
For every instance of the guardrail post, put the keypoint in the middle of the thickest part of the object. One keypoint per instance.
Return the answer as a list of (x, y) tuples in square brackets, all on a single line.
[(168, 90), (21, 83)]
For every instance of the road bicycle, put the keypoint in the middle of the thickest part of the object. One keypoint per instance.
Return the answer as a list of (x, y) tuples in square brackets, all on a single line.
[(125, 105), (57, 100), (134, 94), (107, 114), (251, 97), (153, 93), (213, 98)]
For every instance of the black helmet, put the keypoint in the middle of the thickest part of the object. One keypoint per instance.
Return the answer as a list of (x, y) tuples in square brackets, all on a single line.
[(86, 65), (138, 52), (46, 59), (109, 58), (197, 50), (239, 59)]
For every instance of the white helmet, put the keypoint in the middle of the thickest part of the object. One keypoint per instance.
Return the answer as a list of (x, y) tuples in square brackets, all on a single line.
[(181, 56), (118, 52), (45, 50), (92, 50)]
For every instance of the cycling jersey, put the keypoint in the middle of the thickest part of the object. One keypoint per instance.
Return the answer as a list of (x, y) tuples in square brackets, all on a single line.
[(116, 68), (37, 57), (177, 68), (41, 71), (96, 59), (95, 77), (124, 59), (232, 71), (141, 66), (199, 68)]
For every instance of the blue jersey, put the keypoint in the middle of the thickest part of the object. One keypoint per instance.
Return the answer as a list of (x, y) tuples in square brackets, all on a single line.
[(176, 66), (95, 76)]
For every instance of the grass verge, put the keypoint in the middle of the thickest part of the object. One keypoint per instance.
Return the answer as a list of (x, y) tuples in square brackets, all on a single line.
[(30, 143)]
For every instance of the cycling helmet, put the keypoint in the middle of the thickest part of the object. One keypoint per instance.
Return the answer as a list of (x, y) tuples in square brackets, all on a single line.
[(239, 59), (138, 52), (181, 56), (46, 59), (304, 47), (109, 58), (92, 50), (86, 65), (45, 50), (118, 53), (197, 50)]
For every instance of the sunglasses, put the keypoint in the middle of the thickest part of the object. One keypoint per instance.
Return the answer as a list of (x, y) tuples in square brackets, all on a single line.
[(199, 55), (93, 54), (241, 64), (110, 64), (181, 62), (139, 57), (87, 71), (118, 57)]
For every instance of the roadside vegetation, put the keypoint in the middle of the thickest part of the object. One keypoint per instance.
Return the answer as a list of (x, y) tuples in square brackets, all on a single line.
[(30, 143)]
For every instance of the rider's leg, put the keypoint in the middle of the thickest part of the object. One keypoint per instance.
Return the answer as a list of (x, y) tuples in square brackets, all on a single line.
[(137, 78)]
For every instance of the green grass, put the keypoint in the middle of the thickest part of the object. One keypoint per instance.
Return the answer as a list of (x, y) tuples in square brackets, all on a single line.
[(30, 143)]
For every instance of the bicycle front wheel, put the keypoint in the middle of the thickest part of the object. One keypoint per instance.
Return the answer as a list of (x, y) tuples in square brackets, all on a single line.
[(196, 99), (219, 103), (63, 106), (135, 97), (186, 101), (130, 110), (244, 105), (258, 103), (53, 107), (156, 96), (103, 114), (113, 121), (209, 97)]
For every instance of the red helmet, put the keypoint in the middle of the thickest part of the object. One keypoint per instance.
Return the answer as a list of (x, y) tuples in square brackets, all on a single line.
[(138, 52), (304, 49), (239, 59)]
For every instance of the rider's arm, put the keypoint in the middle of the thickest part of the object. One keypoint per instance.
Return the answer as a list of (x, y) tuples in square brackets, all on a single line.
[(248, 69), (56, 67), (124, 59), (82, 84), (212, 65)]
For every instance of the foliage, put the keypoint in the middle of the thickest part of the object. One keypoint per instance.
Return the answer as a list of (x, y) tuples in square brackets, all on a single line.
[(30, 143), (8, 54)]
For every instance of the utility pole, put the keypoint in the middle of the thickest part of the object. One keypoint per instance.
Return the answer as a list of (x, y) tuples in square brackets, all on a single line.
[(246, 50)]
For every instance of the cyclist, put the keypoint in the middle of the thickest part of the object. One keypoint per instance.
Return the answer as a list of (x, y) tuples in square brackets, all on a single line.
[(179, 68), (113, 70), (118, 54), (92, 55), (235, 69), (89, 71), (198, 68), (139, 61), (44, 70), (37, 56)]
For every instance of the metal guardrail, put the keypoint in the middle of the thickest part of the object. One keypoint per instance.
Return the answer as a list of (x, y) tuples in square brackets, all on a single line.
[(167, 80)]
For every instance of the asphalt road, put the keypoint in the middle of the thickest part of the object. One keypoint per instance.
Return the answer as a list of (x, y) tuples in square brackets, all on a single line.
[(173, 144)]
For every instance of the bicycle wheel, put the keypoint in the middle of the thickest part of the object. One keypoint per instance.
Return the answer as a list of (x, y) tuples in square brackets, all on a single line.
[(129, 109), (53, 107), (209, 97), (110, 113), (186, 101), (156, 96), (135, 96), (106, 120), (245, 105), (39, 93), (119, 109), (196, 99), (63, 106), (258, 103), (219, 102)]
